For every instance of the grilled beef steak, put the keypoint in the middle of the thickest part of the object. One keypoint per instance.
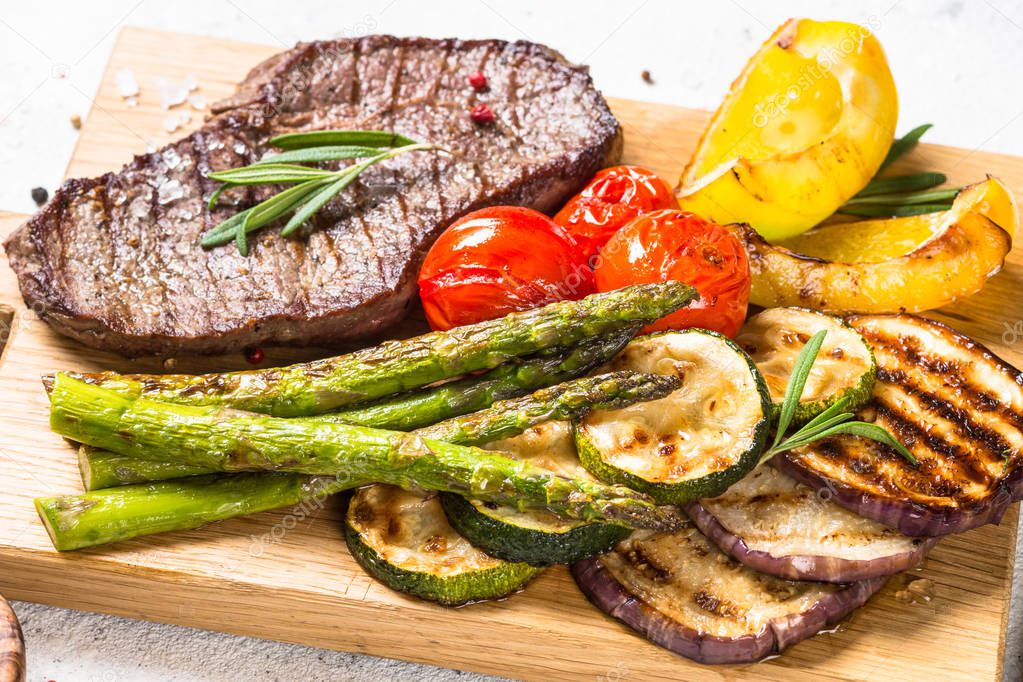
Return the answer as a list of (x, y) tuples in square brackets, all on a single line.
[(115, 261)]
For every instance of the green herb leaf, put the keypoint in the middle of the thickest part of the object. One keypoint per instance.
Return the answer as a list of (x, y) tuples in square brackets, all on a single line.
[(934, 196), (914, 182), (238, 226), (270, 173), (318, 200), (903, 144), (835, 408), (875, 210), (318, 155), (214, 236), (312, 188), (794, 391), (323, 138), (862, 429), (212, 203), (832, 421)]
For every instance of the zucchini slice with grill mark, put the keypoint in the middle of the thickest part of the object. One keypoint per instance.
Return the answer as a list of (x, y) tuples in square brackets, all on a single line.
[(844, 368), (682, 593), (404, 540), (535, 537), (693, 443)]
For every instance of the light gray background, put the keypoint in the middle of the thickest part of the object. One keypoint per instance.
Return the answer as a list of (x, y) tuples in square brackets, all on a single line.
[(957, 64)]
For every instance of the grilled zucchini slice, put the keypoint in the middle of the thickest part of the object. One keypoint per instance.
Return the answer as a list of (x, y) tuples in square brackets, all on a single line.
[(954, 404), (844, 369), (693, 443), (535, 537), (404, 540)]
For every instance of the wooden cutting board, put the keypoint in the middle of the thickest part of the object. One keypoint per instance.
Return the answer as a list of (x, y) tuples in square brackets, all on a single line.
[(287, 575)]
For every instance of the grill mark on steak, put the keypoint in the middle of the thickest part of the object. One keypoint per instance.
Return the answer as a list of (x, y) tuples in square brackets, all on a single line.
[(355, 274)]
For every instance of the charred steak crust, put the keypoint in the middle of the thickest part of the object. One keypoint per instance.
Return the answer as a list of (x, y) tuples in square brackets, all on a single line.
[(115, 261)]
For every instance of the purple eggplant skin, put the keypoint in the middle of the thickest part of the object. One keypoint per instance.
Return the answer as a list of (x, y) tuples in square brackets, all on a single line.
[(907, 516), (827, 569), (608, 595)]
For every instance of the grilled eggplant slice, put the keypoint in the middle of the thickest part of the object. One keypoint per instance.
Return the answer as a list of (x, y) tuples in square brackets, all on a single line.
[(959, 410), (693, 443), (775, 525), (536, 537), (683, 594), (404, 540), (844, 369)]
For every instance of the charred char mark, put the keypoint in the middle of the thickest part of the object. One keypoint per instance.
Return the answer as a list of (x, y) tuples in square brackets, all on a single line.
[(212, 384), (906, 352), (435, 544), (364, 514), (717, 605), (943, 455), (645, 564), (989, 440)]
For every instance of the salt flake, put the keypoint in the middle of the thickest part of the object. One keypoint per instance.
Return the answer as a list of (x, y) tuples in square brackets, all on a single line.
[(126, 83)]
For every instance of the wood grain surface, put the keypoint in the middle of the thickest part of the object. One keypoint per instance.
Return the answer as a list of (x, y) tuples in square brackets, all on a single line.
[(286, 575)]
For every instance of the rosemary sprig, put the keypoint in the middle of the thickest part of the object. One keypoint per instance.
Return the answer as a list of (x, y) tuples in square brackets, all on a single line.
[(902, 195), (932, 196), (833, 421), (914, 182), (903, 144), (883, 210), (311, 188)]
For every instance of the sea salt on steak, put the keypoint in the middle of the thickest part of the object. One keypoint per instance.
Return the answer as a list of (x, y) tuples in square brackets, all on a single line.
[(115, 261)]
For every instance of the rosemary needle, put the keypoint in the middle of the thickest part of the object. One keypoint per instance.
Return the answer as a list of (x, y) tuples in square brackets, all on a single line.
[(311, 188)]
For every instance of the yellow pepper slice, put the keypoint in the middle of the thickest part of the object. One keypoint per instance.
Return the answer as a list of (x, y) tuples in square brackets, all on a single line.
[(805, 126), (875, 266)]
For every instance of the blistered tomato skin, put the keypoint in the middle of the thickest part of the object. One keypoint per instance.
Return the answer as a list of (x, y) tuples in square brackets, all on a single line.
[(676, 245), (612, 198), (500, 260)]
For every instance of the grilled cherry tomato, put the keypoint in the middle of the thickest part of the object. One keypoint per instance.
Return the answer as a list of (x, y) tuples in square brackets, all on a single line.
[(499, 260), (674, 244), (613, 197)]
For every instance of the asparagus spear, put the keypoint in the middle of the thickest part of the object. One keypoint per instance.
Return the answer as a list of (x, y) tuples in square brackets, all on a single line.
[(102, 469), (570, 400), (76, 521), (426, 406), (396, 366), (96, 518)]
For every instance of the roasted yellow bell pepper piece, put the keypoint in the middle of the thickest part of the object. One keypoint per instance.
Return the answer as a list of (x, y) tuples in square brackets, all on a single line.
[(888, 266), (805, 126)]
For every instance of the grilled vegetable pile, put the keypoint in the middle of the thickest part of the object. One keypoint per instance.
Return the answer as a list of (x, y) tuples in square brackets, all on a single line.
[(574, 449)]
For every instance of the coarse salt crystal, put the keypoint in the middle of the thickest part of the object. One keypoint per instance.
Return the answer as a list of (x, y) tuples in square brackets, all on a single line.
[(191, 82), (139, 207), (169, 191), (171, 95), (171, 123), (126, 83), (171, 158), (198, 102), (132, 102)]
